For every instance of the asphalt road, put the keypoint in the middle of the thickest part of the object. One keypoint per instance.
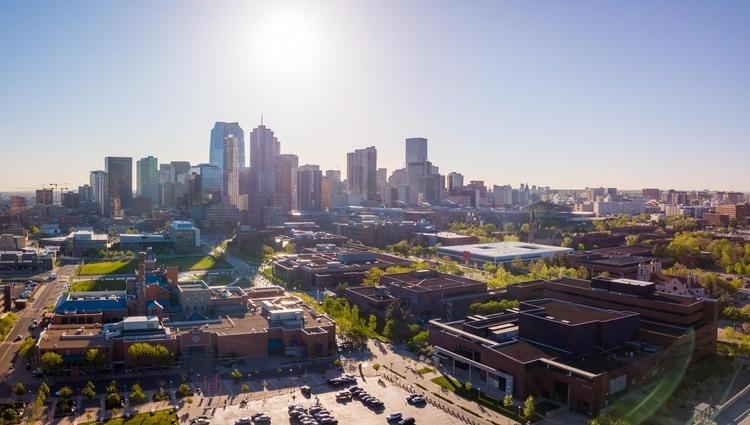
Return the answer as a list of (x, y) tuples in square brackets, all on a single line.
[(46, 294)]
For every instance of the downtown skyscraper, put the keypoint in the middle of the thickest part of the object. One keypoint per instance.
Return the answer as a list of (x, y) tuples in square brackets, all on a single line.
[(147, 178), (361, 175), (264, 148), (119, 183), (216, 148)]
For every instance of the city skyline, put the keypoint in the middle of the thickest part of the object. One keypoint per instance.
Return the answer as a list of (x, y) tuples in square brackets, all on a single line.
[(642, 91)]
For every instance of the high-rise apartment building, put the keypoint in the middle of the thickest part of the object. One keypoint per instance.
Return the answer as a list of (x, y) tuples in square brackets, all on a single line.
[(120, 183), (361, 174), (231, 171), (98, 180), (147, 178), (286, 179), (416, 150), (455, 182), (44, 196), (220, 132), (309, 189)]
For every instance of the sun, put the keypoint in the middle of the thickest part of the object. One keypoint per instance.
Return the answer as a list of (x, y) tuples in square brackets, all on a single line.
[(287, 41)]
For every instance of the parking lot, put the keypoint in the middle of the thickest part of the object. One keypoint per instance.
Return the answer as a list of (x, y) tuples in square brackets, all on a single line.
[(351, 412)]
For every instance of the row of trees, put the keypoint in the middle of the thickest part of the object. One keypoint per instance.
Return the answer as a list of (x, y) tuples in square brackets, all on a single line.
[(143, 354), (717, 286), (520, 271), (726, 255), (492, 307), (94, 360)]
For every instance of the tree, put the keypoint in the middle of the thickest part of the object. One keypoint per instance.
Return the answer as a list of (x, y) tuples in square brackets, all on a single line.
[(145, 354), (372, 277), (509, 228), (245, 388), (567, 242), (396, 325), (19, 389), (372, 323), (94, 359), (10, 415), (529, 408), (492, 307), (89, 391), (137, 394), (44, 390), (631, 240), (66, 392), (184, 390), (289, 248), (113, 401), (50, 362), (236, 374), (508, 400), (26, 349)]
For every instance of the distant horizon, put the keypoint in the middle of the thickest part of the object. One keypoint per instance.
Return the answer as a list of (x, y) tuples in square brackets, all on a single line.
[(581, 94)]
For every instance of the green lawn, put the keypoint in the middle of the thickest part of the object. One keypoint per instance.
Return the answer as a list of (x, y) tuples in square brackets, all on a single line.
[(220, 280), (455, 386), (197, 262), (425, 370), (160, 417), (96, 268), (97, 285)]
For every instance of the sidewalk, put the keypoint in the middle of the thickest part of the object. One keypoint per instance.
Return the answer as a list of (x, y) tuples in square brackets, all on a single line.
[(395, 364)]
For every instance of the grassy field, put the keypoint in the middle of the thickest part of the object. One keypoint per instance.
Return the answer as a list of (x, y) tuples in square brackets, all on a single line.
[(184, 264), (160, 417), (96, 268), (97, 285), (197, 262)]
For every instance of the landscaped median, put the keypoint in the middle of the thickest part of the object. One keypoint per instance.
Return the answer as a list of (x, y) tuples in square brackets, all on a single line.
[(486, 400), (159, 417)]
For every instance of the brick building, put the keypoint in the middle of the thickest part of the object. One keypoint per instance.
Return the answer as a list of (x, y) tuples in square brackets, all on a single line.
[(581, 343)]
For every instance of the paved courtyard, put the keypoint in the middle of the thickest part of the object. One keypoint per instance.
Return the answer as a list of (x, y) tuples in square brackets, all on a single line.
[(274, 402)]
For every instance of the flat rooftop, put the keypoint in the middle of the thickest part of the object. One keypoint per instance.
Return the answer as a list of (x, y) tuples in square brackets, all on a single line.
[(526, 352), (427, 280), (658, 296), (71, 336), (255, 321), (571, 313), (503, 251)]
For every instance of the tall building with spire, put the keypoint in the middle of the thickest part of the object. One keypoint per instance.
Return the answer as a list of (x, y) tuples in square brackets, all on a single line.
[(264, 148)]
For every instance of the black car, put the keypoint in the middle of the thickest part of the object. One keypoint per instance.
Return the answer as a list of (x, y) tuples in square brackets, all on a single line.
[(407, 421)]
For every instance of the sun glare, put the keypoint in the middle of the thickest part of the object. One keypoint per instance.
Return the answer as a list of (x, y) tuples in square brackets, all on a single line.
[(287, 42)]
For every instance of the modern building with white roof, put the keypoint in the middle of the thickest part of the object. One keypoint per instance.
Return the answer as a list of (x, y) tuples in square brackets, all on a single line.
[(501, 252)]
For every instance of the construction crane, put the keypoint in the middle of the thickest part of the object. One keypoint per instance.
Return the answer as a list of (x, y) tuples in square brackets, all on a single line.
[(61, 186)]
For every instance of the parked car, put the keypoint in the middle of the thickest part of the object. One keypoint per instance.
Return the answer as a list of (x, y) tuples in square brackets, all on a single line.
[(243, 421), (407, 421), (395, 416)]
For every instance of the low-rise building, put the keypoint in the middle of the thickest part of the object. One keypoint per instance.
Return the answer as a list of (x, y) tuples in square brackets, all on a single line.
[(581, 343), (500, 252), (424, 293), (327, 266)]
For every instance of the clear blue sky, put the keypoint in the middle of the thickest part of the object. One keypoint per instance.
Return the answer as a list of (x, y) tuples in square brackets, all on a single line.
[(560, 93)]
